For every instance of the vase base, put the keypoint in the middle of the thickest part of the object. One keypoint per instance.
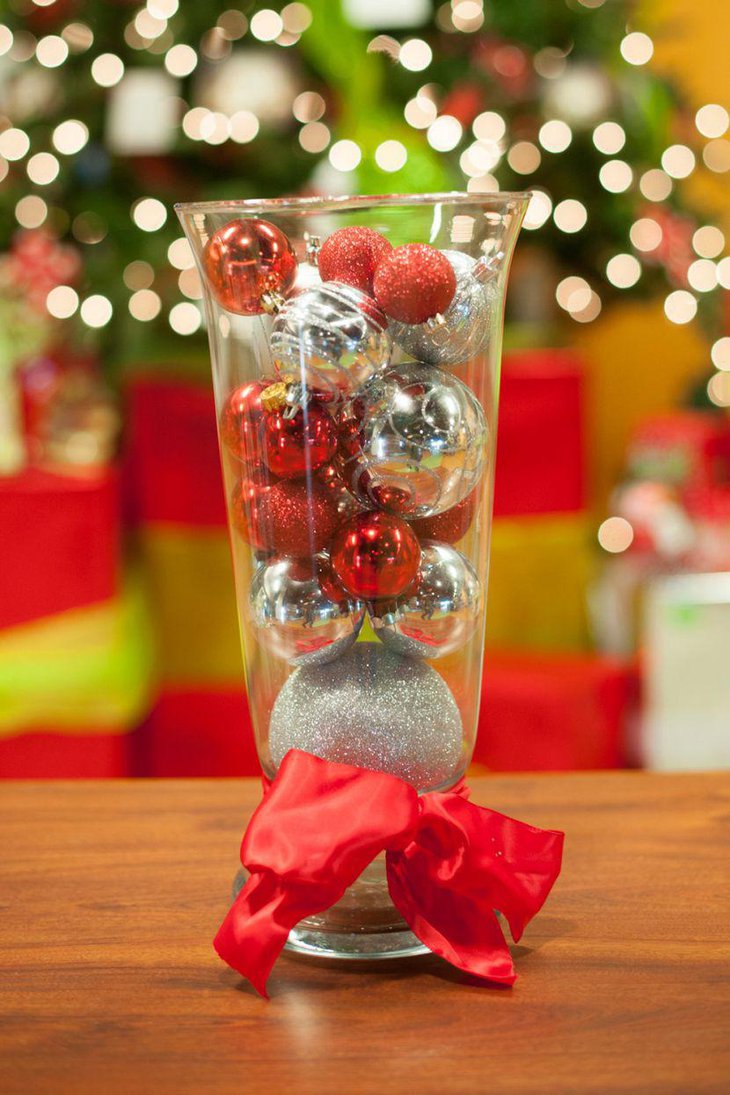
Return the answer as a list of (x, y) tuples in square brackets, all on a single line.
[(354, 946)]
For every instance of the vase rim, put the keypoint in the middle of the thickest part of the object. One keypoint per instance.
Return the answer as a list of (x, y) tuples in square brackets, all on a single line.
[(333, 203)]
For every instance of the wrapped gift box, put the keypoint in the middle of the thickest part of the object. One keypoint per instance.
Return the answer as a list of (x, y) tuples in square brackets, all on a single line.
[(60, 538), (555, 712), (689, 450), (71, 687)]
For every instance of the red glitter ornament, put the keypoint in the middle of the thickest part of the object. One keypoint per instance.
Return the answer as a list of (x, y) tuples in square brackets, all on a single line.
[(288, 517), (352, 255), (449, 526), (246, 260), (242, 421), (300, 444), (414, 283), (375, 555)]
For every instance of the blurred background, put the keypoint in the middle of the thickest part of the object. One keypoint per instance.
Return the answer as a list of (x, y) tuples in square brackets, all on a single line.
[(609, 602)]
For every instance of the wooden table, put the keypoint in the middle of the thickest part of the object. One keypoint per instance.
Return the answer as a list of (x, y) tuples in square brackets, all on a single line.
[(111, 892)]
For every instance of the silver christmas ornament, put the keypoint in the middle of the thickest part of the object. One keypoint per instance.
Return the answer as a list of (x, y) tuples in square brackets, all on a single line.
[(331, 337), (375, 710), (413, 442), (463, 330), (298, 615), (440, 614)]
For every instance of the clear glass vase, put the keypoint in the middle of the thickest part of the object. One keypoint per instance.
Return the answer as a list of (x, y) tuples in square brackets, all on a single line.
[(356, 391)]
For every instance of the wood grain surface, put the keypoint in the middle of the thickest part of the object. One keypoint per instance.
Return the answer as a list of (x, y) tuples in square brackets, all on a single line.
[(110, 894)]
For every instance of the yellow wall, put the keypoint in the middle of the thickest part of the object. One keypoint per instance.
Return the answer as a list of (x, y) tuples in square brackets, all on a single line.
[(639, 362)]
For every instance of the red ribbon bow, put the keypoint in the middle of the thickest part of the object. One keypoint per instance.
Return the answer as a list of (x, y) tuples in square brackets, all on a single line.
[(450, 865)]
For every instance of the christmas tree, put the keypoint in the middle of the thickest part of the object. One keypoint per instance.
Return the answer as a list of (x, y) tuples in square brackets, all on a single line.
[(111, 112)]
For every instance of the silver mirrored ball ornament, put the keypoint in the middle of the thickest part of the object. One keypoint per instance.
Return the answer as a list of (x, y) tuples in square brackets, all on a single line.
[(413, 442), (372, 709), (442, 611), (297, 613)]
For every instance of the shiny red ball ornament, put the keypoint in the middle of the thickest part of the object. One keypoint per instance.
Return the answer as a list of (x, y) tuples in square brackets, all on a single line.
[(352, 255), (288, 516), (375, 555), (451, 525), (242, 421), (414, 282), (246, 260), (300, 444)]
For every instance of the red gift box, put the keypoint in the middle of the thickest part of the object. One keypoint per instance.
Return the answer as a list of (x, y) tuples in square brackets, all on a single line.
[(53, 755), (540, 451), (196, 733), (555, 712), (60, 538), (172, 466), (687, 449)]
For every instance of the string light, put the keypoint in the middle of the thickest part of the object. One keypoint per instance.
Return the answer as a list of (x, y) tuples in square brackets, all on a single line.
[(712, 120), (415, 55), (234, 24), (180, 60), (345, 155), (391, 156), (615, 535), (570, 215), (616, 176), (480, 157), (78, 37), (244, 126), (680, 306), (623, 271), (539, 209), (6, 39), (266, 25), (718, 389), (723, 272), (609, 138), (148, 26), (51, 51), (655, 185), (296, 18), (14, 144), (192, 121), (485, 184), (555, 135), (23, 46), (31, 211), (96, 310), (107, 69), (524, 157), (163, 9), (702, 275), (646, 234), (314, 137), (42, 168), (180, 255), (144, 305), (708, 242), (720, 353), (445, 133), (467, 16), (138, 275), (573, 293), (62, 302), (308, 107), (716, 155), (215, 128), (190, 285), (420, 112), (591, 311), (185, 318), (637, 48), (678, 161), (149, 214), (489, 126), (70, 137)]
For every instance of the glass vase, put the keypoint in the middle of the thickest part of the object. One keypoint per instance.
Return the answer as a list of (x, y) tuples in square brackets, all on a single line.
[(356, 391)]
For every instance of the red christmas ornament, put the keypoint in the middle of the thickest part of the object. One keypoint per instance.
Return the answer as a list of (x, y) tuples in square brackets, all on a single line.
[(300, 444), (242, 421), (287, 516), (246, 260), (414, 283), (375, 555), (351, 255), (449, 526)]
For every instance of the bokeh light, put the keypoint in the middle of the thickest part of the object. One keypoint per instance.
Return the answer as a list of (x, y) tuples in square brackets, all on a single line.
[(655, 185), (145, 305), (646, 234), (702, 275), (720, 353), (708, 242), (185, 318), (149, 214), (107, 69), (609, 138), (445, 133), (181, 60), (70, 137), (623, 271), (712, 120), (14, 143), (678, 161), (718, 389), (415, 55), (539, 209), (555, 135), (96, 310), (31, 211), (616, 176), (615, 535), (680, 306), (570, 215), (62, 302), (345, 155), (524, 157), (637, 48), (43, 168), (391, 155)]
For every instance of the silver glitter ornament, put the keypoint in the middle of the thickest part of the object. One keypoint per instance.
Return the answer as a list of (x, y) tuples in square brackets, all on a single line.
[(331, 337), (413, 442), (463, 330), (375, 710), (300, 614), (440, 614)]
